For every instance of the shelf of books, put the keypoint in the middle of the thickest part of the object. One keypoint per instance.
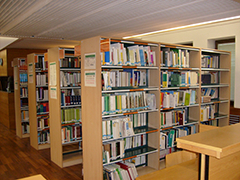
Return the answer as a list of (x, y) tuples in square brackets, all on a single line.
[(21, 97), (65, 105), (121, 114), (215, 87), (38, 100), (180, 94)]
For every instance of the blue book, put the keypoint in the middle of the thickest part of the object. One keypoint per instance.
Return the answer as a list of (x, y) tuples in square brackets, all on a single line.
[(107, 57)]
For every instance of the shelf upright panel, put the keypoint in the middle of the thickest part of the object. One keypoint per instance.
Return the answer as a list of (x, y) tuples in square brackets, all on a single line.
[(91, 110), (33, 102), (20, 68)]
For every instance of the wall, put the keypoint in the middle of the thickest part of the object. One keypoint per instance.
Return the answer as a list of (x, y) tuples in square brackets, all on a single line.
[(205, 36)]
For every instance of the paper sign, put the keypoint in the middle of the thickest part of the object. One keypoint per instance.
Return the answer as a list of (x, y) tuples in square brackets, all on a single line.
[(30, 67), (53, 92), (53, 74), (90, 78), (30, 78), (16, 85), (90, 61)]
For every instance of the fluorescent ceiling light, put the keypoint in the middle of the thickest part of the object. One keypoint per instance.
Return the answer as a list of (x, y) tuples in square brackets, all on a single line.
[(181, 27), (5, 41)]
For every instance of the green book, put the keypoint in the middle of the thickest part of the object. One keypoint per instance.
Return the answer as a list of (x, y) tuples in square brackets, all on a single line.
[(187, 99), (175, 80)]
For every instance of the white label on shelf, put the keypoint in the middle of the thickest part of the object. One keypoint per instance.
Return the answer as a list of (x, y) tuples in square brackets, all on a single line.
[(16, 85), (53, 92), (30, 78), (90, 78), (90, 61), (53, 74), (30, 67)]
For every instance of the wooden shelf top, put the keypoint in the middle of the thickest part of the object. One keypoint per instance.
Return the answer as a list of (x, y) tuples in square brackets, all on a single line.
[(218, 142)]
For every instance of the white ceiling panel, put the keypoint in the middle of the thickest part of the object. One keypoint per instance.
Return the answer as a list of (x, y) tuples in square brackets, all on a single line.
[(80, 19)]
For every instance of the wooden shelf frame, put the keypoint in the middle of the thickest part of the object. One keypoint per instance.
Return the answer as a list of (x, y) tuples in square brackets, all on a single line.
[(92, 98), (32, 101), (57, 152), (17, 98)]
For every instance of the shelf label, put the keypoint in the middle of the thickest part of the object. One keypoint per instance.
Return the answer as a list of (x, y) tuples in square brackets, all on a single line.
[(90, 78), (90, 61), (53, 92), (53, 74), (16, 85), (30, 67), (30, 78)]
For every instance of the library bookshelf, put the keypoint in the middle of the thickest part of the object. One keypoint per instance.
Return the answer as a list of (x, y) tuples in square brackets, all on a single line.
[(216, 77), (180, 94), (21, 97), (208, 102), (65, 106), (96, 114), (38, 101)]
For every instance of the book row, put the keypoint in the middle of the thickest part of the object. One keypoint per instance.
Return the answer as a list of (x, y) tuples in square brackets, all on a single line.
[(175, 58), (43, 137), (168, 137), (116, 149), (42, 122), (25, 115), (42, 107), (177, 79), (41, 79), (71, 62), (173, 118), (41, 63), (173, 99), (25, 128), (41, 94), (207, 112), (23, 77), (70, 97), (123, 78), (139, 119), (117, 127), (134, 55), (209, 77), (126, 102), (71, 133), (68, 79), (23, 92), (71, 115), (212, 92), (209, 61), (120, 171)]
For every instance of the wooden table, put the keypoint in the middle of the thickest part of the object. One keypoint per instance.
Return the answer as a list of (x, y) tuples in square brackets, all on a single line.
[(219, 151), (35, 177), (187, 170)]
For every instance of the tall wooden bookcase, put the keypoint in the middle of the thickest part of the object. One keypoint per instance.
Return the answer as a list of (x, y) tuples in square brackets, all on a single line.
[(217, 64), (92, 98), (65, 150), (212, 91), (38, 101), (180, 75), (21, 97)]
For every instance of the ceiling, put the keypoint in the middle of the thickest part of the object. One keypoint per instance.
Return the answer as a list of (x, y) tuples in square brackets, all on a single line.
[(48, 23)]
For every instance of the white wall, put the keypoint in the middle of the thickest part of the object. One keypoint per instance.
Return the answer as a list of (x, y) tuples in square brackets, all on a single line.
[(205, 36)]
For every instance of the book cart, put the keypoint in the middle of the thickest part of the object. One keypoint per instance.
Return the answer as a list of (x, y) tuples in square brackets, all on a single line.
[(65, 106), (21, 97), (38, 101), (130, 101)]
